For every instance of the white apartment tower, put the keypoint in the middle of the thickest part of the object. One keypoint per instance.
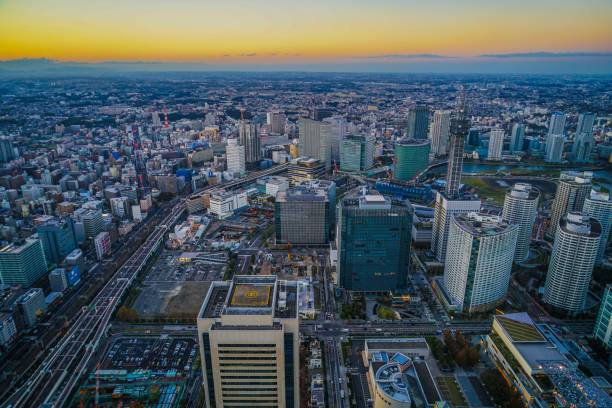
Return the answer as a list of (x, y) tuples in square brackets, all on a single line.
[(235, 154), (599, 206), (479, 260), (440, 131), (521, 208), (496, 143), (555, 127), (571, 193), (571, 263)]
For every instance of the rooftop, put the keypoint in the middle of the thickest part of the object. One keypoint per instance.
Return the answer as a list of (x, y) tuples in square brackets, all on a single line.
[(578, 223), (482, 225), (311, 194), (520, 327), (524, 191)]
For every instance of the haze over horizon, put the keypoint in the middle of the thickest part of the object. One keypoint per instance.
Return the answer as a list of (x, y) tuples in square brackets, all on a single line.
[(389, 36)]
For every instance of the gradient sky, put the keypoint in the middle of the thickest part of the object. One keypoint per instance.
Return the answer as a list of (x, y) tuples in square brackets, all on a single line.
[(307, 31)]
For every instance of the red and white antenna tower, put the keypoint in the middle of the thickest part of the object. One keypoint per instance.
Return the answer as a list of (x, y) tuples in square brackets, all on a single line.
[(165, 118)]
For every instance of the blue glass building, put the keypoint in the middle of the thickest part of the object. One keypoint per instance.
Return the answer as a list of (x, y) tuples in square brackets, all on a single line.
[(58, 238)]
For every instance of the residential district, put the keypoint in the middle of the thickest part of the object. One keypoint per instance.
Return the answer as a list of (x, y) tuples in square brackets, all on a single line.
[(305, 240)]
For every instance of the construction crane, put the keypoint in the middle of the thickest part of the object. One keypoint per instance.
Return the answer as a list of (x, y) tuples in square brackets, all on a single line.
[(165, 118)]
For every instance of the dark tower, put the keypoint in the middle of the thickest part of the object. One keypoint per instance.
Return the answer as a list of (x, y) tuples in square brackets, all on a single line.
[(459, 127)]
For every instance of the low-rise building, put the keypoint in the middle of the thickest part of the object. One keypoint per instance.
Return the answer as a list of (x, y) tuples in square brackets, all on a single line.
[(32, 305)]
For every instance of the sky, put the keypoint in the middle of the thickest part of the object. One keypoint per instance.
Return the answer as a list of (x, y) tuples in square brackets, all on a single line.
[(339, 33)]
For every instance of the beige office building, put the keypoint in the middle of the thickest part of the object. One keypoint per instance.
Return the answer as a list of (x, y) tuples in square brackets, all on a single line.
[(248, 330)]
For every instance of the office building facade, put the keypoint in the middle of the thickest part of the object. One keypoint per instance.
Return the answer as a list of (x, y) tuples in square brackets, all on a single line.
[(418, 122), (599, 206), (517, 138), (521, 208), (440, 130), (314, 141), (572, 261), (302, 217), (496, 142), (58, 238), (236, 157), (411, 158), (248, 331), (92, 220), (373, 239), (102, 243), (479, 260), (276, 122), (603, 324), (248, 135), (22, 263), (445, 208), (330, 189), (357, 152), (32, 305), (571, 193), (305, 168), (459, 127)]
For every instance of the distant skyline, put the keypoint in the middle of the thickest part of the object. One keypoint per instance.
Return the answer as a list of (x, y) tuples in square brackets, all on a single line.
[(401, 35)]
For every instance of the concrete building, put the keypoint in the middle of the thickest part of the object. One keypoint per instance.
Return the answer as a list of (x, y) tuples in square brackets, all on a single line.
[(92, 220), (275, 184), (197, 203), (248, 135), (276, 122), (335, 129), (599, 206), (570, 196), (585, 123), (440, 130), (305, 168), (459, 127), (57, 280), (248, 330), (58, 238), (224, 203), (555, 147), (521, 208), (603, 324), (330, 189), (119, 206), (445, 208), (32, 305), (571, 263), (22, 263), (302, 217), (418, 122), (373, 239), (357, 152), (315, 141), (517, 138), (496, 142), (102, 243), (8, 329), (411, 158), (7, 153), (582, 147), (236, 157), (555, 127), (479, 261)]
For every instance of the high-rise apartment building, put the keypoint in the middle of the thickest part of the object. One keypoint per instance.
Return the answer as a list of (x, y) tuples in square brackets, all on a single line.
[(7, 153), (357, 152), (302, 217), (236, 159), (373, 239), (571, 192), (276, 121), (554, 148), (102, 243), (555, 127), (418, 122), (248, 135), (479, 260), (248, 330), (58, 238), (599, 206), (571, 263), (445, 208), (411, 158), (585, 123), (603, 324), (496, 142), (315, 141), (582, 147), (440, 130), (22, 263), (518, 137), (521, 208)]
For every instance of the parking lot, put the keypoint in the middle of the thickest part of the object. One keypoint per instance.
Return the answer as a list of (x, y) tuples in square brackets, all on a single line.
[(155, 354), (169, 268)]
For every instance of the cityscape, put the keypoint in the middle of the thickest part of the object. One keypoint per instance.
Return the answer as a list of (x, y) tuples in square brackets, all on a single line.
[(301, 230)]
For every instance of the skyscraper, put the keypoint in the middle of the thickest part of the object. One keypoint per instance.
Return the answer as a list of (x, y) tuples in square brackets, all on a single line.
[(373, 239), (92, 220), (248, 330), (582, 147), (276, 121), (599, 206), (554, 148), (521, 208), (518, 137), (357, 152), (411, 158), (418, 122), (315, 141), (571, 192), (7, 153), (555, 127), (22, 263), (603, 324), (335, 130), (58, 238), (302, 217), (444, 210), (571, 263), (585, 123), (248, 135), (479, 260), (459, 126), (236, 157), (496, 142), (440, 128)]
